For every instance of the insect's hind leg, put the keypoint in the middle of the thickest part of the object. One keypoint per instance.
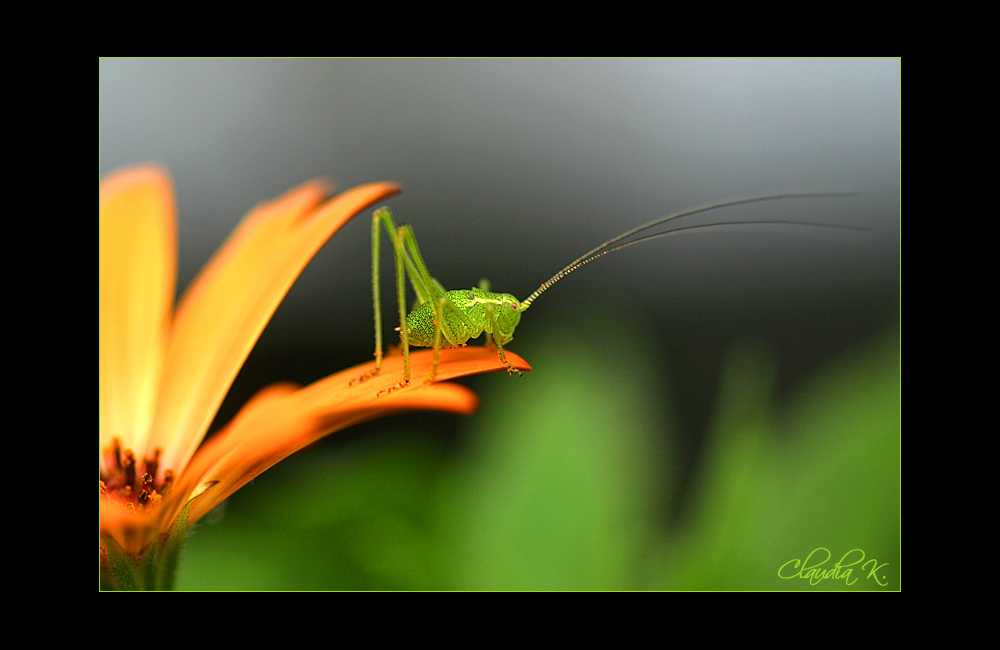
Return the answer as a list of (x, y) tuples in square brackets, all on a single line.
[(382, 217), (450, 324), (439, 306), (379, 217)]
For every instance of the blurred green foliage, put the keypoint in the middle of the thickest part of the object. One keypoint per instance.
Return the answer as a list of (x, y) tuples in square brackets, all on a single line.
[(565, 480)]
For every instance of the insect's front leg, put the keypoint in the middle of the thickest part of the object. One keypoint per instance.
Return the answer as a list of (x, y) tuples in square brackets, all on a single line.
[(493, 333)]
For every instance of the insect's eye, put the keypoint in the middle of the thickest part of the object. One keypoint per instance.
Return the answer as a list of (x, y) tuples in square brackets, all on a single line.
[(513, 305)]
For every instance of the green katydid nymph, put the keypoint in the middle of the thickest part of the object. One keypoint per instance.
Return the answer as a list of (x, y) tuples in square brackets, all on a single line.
[(450, 318)]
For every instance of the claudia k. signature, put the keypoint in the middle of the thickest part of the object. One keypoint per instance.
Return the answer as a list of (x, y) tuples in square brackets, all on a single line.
[(815, 569)]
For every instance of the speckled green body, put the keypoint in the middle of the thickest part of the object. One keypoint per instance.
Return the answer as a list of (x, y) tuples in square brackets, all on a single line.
[(466, 315)]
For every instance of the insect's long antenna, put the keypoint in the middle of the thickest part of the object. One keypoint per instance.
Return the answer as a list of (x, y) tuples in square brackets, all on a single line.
[(609, 246)]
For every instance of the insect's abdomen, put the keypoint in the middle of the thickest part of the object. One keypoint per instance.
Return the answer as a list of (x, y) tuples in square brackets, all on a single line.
[(420, 325), (457, 325)]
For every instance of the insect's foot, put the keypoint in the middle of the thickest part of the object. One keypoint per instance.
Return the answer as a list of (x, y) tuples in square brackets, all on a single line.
[(361, 378), (392, 389), (511, 370)]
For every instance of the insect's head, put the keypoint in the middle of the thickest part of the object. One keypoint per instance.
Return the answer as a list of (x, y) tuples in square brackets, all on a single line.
[(508, 315)]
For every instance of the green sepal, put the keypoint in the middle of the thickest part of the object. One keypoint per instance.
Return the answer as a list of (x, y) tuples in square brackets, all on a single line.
[(154, 570), (118, 569), (170, 551)]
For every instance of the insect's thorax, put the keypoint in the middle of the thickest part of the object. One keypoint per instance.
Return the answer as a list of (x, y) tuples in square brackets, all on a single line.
[(466, 314)]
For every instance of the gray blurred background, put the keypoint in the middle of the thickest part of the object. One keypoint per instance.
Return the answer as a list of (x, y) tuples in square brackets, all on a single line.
[(512, 168)]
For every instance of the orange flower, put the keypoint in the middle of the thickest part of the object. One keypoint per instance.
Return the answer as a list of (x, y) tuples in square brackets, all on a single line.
[(163, 374)]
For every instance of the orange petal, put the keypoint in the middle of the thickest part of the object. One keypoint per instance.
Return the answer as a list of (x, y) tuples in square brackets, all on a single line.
[(138, 252), (276, 424), (228, 305)]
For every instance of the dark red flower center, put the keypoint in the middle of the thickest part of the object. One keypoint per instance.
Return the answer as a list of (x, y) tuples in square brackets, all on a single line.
[(131, 485)]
